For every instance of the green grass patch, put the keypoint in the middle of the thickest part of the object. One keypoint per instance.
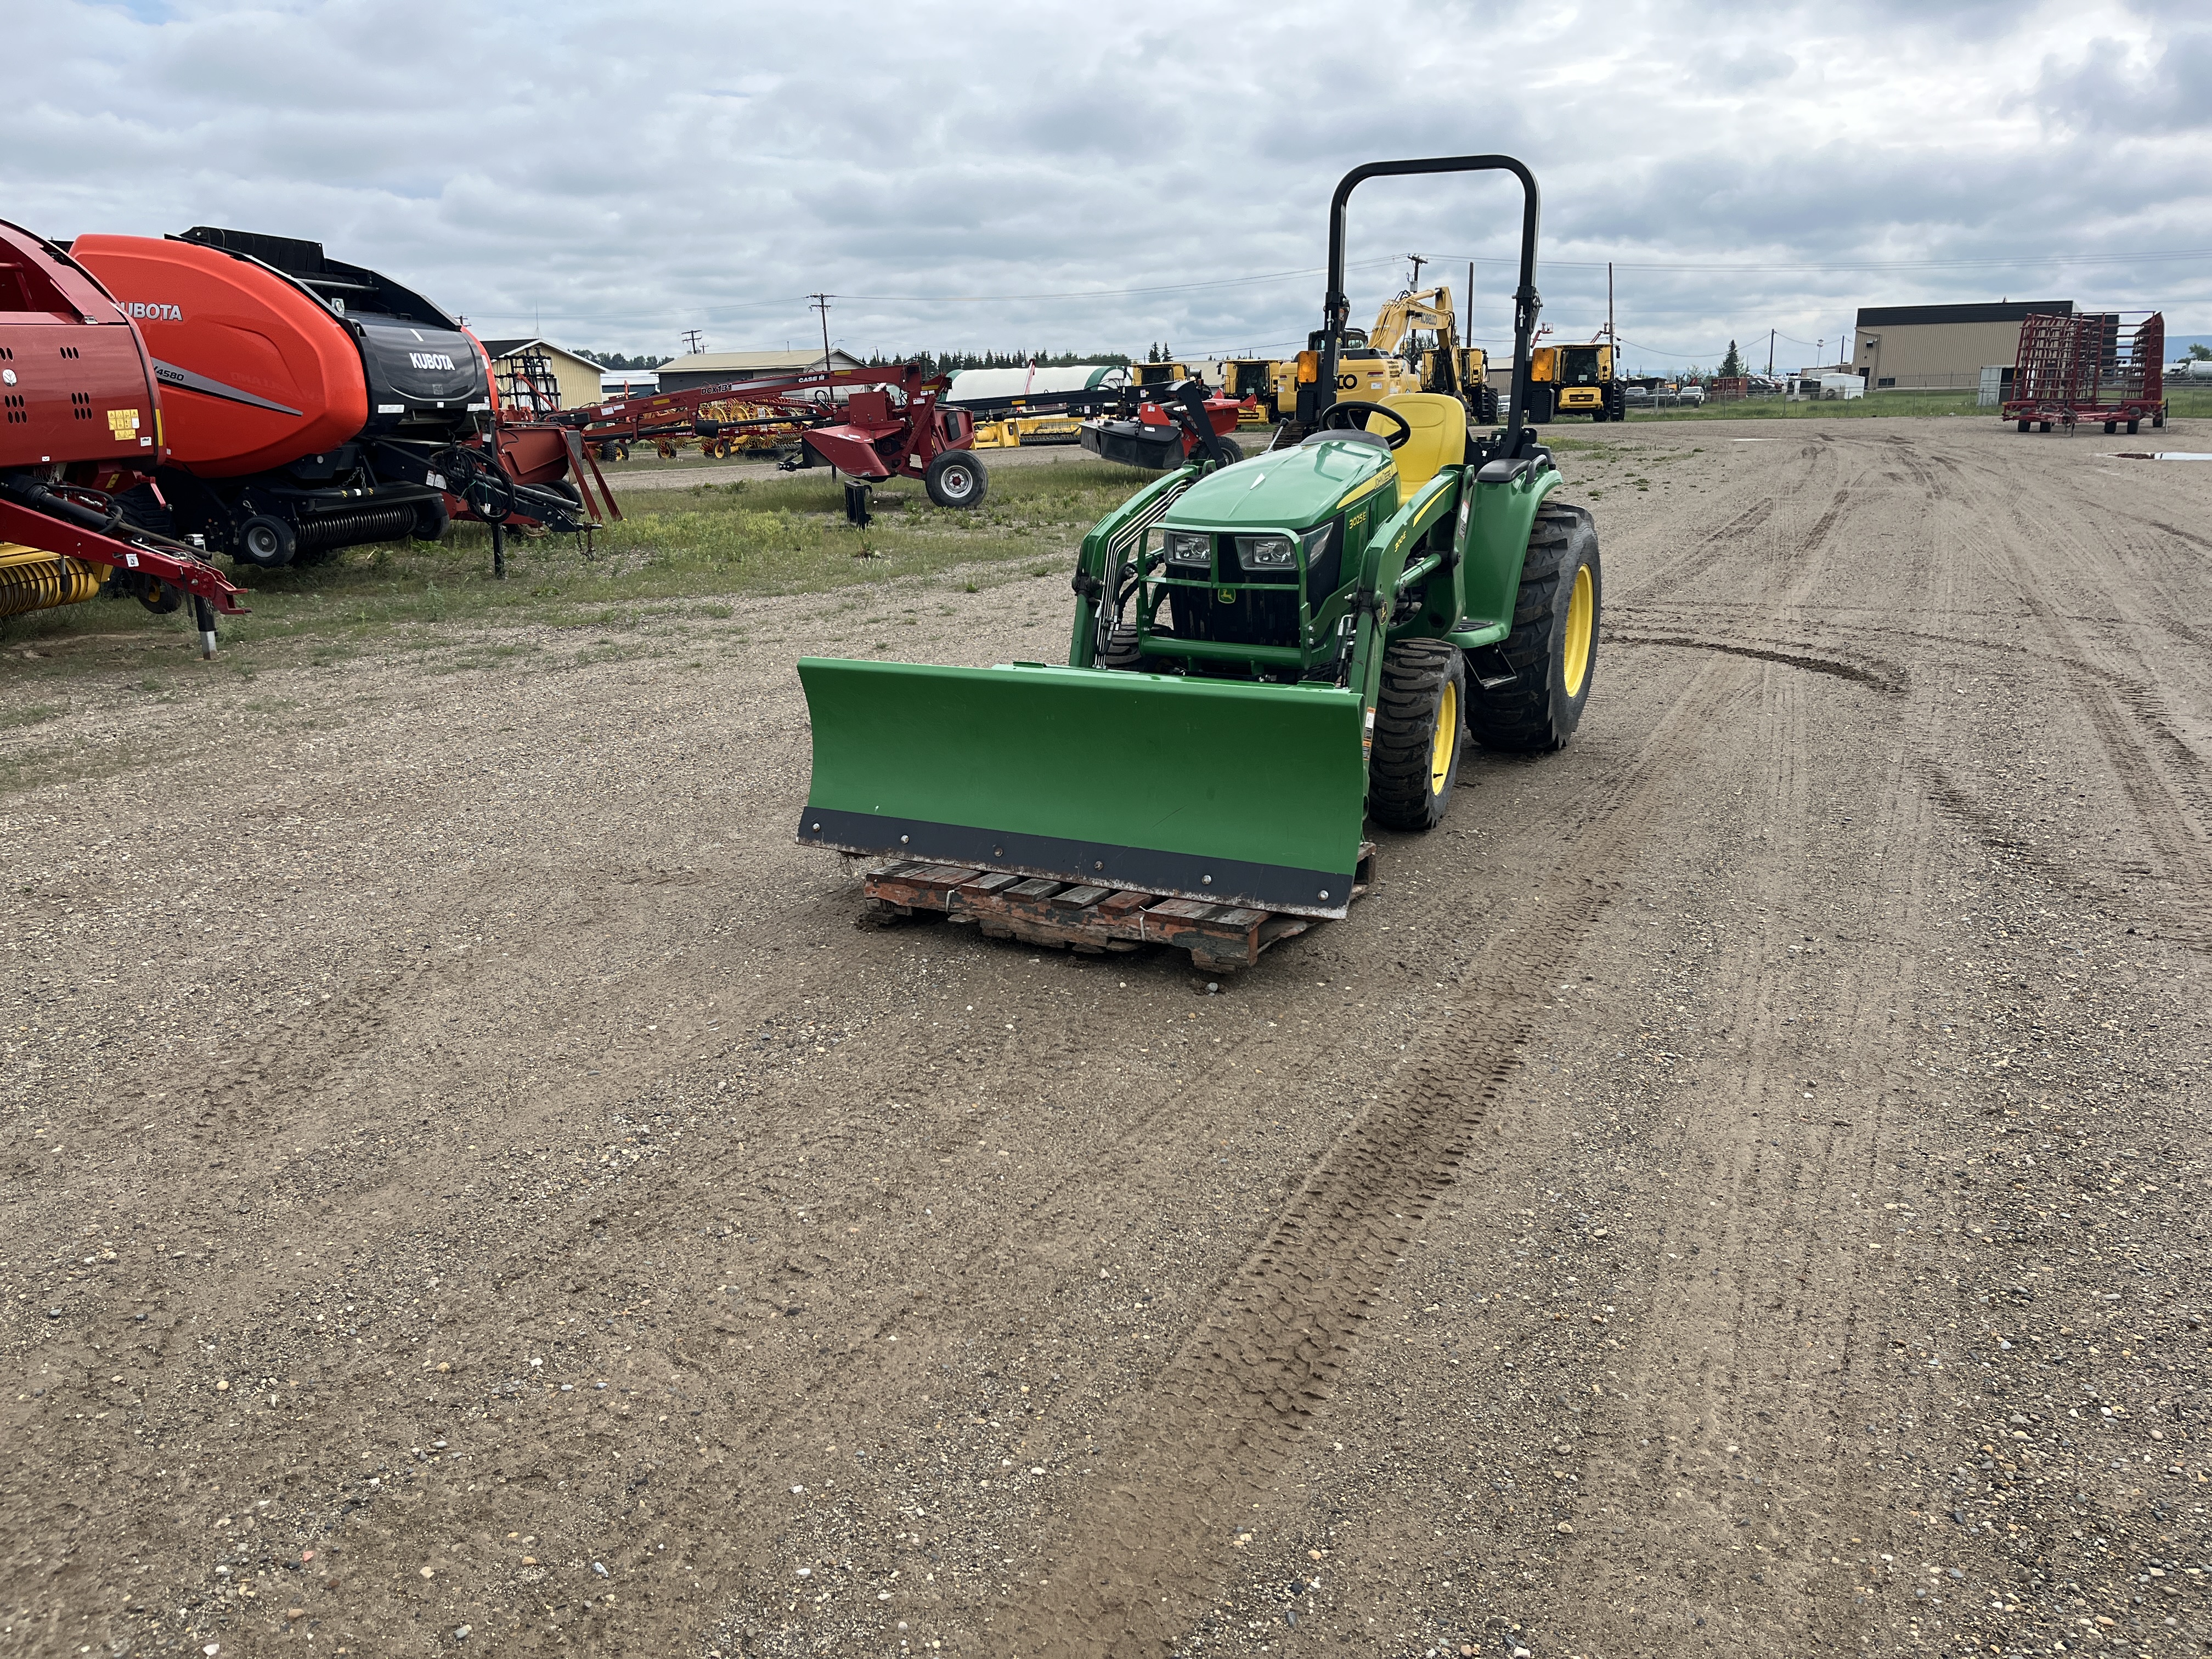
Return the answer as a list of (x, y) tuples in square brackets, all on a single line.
[(684, 552), (2191, 403)]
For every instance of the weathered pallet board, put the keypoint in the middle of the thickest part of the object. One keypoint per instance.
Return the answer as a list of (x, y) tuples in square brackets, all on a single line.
[(1089, 919)]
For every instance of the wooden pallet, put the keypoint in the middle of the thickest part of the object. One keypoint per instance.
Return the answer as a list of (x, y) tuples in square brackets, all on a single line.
[(1220, 937)]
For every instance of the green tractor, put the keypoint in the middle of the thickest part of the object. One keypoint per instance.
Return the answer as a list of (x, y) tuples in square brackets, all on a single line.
[(1266, 656)]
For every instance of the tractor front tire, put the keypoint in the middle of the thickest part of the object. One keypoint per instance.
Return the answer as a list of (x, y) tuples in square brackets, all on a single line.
[(1420, 722), (1552, 648), (954, 477), (1121, 652)]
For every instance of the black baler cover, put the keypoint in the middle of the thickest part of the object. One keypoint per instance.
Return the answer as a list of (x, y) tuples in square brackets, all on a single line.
[(425, 376)]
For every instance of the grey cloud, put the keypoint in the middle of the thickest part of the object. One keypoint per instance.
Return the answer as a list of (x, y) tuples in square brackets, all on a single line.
[(2111, 89), (632, 171)]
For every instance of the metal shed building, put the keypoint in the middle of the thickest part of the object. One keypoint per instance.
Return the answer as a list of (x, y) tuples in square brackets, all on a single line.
[(1921, 348), (714, 367)]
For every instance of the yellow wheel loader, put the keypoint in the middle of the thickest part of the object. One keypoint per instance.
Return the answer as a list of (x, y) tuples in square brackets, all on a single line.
[(1576, 380)]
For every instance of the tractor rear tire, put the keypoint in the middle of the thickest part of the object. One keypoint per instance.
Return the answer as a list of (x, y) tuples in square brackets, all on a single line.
[(954, 477), (1554, 646), (1420, 726)]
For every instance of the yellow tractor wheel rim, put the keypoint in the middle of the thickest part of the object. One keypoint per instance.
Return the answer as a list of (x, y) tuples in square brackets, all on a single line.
[(1582, 613), (1446, 744)]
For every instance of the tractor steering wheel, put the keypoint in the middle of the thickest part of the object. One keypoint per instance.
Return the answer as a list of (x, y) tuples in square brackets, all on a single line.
[(1394, 439)]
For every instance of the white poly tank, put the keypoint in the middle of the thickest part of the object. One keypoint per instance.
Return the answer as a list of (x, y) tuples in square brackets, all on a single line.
[(979, 385)]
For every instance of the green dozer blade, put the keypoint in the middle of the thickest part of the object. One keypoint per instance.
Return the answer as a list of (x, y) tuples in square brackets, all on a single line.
[(1205, 789)]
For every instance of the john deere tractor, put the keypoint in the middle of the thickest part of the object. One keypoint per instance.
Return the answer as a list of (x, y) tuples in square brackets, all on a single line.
[(1266, 656)]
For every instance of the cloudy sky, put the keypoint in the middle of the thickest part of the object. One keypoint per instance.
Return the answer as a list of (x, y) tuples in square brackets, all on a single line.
[(1066, 176)]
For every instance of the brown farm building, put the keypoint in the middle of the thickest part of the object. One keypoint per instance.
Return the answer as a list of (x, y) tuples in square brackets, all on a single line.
[(717, 367), (1908, 348), (517, 364)]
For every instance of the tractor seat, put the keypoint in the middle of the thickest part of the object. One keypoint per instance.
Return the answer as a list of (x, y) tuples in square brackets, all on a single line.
[(1438, 440)]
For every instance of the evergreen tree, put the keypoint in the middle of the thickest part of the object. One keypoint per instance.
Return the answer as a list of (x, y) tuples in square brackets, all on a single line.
[(1732, 365)]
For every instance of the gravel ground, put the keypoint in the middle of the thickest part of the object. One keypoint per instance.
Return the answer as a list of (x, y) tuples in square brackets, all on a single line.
[(1739, 1187)]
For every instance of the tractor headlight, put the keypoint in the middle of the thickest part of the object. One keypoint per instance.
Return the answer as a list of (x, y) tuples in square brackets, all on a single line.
[(1266, 552), (1187, 547)]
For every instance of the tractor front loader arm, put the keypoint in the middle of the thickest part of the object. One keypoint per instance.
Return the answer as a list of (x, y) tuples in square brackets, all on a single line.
[(1399, 557), (1104, 557)]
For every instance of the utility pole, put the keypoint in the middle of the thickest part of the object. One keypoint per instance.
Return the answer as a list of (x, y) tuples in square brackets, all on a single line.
[(1612, 338), (692, 341), (1769, 354), (1418, 263), (822, 304)]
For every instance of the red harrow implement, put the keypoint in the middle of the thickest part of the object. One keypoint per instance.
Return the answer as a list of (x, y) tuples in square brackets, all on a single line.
[(82, 425), (2105, 367)]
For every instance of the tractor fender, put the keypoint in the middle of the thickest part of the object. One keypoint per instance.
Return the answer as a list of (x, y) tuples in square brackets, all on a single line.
[(1495, 519)]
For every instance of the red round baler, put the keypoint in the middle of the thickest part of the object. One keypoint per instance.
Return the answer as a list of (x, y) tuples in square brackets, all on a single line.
[(80, 422), (310, 405)]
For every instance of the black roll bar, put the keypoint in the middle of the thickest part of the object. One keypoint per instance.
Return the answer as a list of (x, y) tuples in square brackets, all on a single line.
[(1336, 306)]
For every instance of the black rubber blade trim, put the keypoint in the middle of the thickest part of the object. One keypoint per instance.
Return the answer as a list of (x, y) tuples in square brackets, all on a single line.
[(1176, 875)]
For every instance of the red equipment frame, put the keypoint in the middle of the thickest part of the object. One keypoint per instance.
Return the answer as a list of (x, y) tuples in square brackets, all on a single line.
[(871, 436), (2092, 365), (83, 423)]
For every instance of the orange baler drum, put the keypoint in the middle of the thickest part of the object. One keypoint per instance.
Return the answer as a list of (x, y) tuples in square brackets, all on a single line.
[(255, 373)]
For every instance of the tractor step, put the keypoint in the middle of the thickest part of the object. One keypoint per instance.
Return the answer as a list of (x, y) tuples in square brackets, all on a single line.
[(1088, 920)]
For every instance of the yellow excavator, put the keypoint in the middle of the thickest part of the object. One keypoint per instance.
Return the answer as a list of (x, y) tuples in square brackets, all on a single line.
[(1413, 347), (1423, 329)]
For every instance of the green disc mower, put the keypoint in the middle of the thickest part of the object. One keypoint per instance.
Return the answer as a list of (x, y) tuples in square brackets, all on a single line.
[(1266, 656)]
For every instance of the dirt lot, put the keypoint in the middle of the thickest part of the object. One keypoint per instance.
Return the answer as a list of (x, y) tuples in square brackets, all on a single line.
[(1740, 1189)]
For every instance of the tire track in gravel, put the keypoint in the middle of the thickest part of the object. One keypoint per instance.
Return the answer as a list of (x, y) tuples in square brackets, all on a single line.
[(1760, 1360), (1882, 677), (2131, 731), (1685, 567), (1139, 1563)]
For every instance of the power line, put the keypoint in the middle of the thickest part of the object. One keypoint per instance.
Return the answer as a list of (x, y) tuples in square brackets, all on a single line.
[(1981, 264), (1109, 292)]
